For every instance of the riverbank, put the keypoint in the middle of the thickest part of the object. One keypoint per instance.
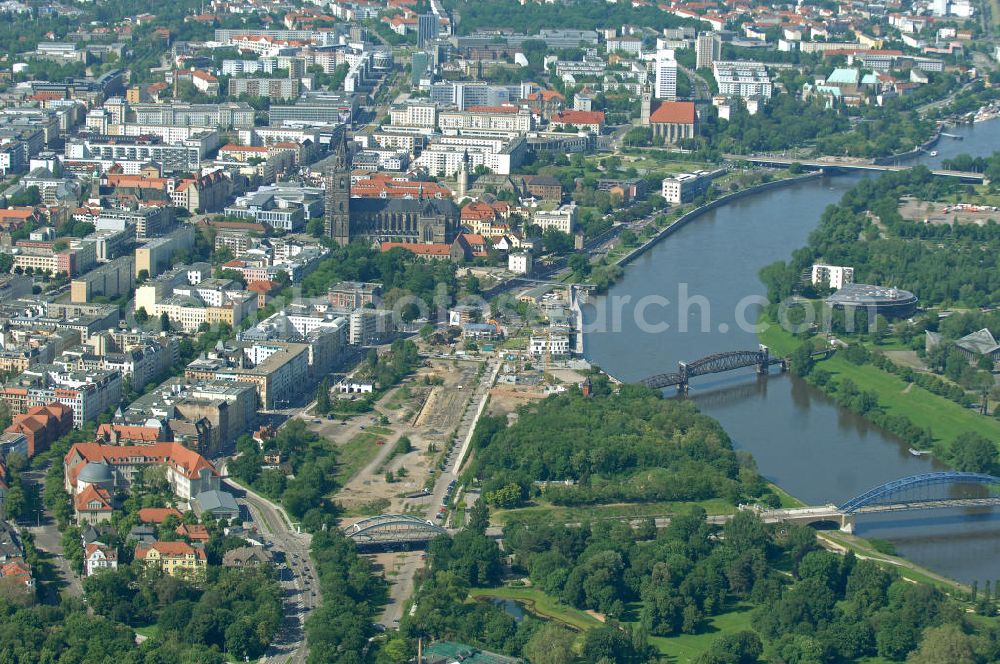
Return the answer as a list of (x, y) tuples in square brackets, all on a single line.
[(945, 419), (839, 542), (918, 151), (689, 216)]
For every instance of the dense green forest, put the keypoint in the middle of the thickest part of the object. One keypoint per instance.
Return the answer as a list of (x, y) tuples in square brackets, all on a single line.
[(313, 467), (234, 615), (531, 17), (787, 122), (807, 605), (633, 446), (400, 272)]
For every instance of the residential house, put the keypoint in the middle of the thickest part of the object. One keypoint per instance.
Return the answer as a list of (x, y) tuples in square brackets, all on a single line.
[(97, 556), (173, 558)]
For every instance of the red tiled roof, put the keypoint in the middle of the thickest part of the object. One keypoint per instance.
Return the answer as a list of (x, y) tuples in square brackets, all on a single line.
[(232, 147), (419, 249), (674, 112), (92, 493), (157, 514), (194, 531), (478, 210), (579, 117), (109, 552), (261, 286), (16, 568), (175, 454), (545, 95), (18, 213), (132, 433), (169, 549), (46, 95)]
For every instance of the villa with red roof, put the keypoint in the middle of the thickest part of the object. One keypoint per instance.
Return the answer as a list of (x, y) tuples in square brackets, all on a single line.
[(173, 558), (92, 505), (18, 569)]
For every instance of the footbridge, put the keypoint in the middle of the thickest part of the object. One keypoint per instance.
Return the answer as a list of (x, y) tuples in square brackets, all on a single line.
[(927, 491), (719, 362), (828, 164), (388, 530)]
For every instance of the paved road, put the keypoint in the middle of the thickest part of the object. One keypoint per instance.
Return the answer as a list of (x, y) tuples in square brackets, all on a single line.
[(402, 586), (298, 577), (48, 541), (700, 87)]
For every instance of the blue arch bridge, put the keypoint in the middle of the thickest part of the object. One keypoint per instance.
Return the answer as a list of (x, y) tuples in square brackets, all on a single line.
[(927, 491)]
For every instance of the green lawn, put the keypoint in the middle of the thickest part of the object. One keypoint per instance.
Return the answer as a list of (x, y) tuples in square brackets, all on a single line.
[(537, 602), (148, 631), (677, 649), (787, 499), (355, 455), (547, 512), (687, 647), (945, 418)]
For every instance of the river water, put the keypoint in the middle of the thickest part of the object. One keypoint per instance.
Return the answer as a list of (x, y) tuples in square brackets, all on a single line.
[(800, 438)]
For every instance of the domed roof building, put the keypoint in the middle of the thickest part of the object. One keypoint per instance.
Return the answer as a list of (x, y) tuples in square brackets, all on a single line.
[(96, 472)]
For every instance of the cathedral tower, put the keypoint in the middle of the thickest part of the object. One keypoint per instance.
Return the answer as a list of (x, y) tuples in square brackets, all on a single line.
[(338, 192)]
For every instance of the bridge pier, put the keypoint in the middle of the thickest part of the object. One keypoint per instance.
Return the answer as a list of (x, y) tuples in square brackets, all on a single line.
[(682, 370), (764, 361), (847, 523)]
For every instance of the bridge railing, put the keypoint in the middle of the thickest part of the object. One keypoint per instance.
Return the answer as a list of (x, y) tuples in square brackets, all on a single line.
[(895, 490)]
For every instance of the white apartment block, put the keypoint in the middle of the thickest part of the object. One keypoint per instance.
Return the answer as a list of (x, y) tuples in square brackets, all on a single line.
[(134, 152), (205, 139), (833, 276), (519, 263), (685, 187), (563, 218), (666, 75), (554, 343), (414, 115), (445, 156), (368, 326), (509, 119), (742, 79), (625, 44)]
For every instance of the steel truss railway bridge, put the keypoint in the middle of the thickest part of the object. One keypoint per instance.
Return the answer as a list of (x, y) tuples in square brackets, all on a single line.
[(719, 362)]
